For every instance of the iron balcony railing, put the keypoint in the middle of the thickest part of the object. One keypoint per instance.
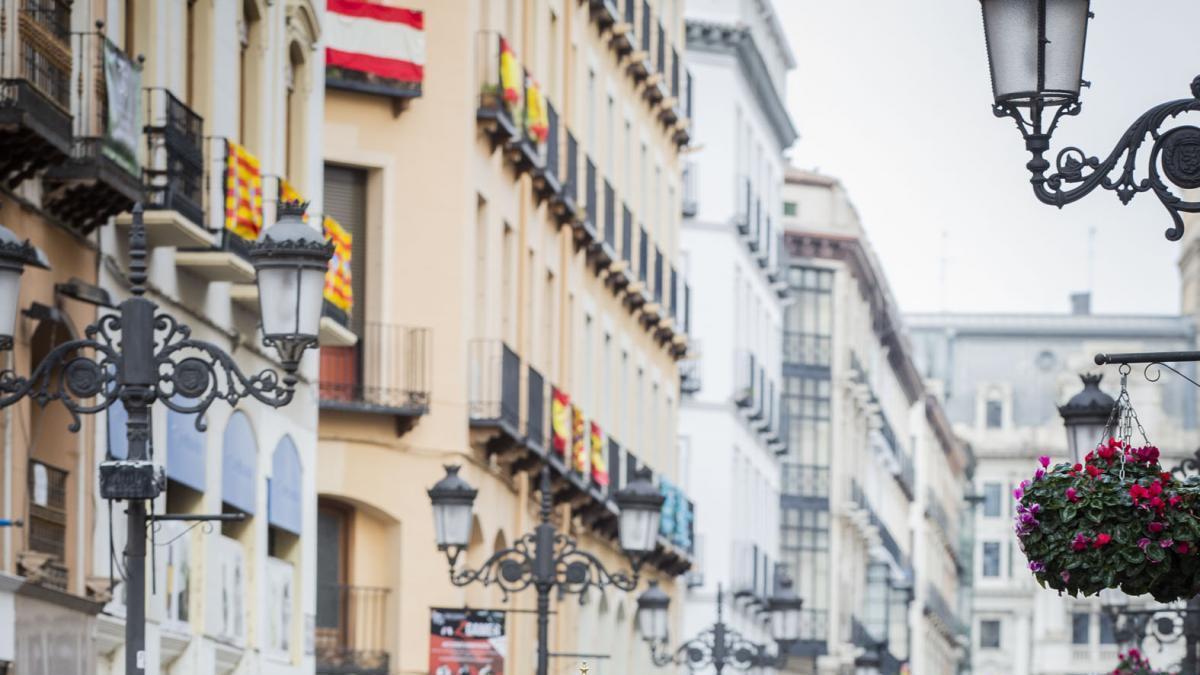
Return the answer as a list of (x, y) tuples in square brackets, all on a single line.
[(571, 184), (937, 513), (589, 187), (47, 510), (627, 235), (44, 50), (352, 630), (500, 108), (387, 371), (26, 96), (807, 349), (610, 215), (174, 175), (614, 467), (690, 380), (495, 385), (936, 606), (745, 368), (687, 96), (658, 275), (537, 413), (551, 159), (643, 256)]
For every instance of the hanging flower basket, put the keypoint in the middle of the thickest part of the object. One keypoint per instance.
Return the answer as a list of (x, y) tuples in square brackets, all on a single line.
[(1133, 663), (1115, 521)]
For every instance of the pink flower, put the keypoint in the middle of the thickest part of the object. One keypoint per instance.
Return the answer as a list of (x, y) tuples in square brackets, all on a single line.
[(1143, 543), (1072, 496), (1166, 543), (1065, 576), (1102, 539), (1182, 547), (1155, 527), (1174, 500), (1039, 474), (1045, 461), (1080, 542), (1093, 471), (1018, 493)]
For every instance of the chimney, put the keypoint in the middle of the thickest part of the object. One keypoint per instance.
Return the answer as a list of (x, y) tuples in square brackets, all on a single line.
[(1081, 303)]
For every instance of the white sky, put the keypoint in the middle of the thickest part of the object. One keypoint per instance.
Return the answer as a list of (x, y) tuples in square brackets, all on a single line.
[(893, 97)]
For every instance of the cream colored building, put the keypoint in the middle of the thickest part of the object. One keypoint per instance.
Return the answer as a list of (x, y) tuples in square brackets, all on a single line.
[(491, 270), (874, 479)]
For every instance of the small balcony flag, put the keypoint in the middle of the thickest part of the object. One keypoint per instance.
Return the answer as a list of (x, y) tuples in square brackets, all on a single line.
[(581, 454), (536, 118), (560, 421), (338, 290), (243, 192), (375, 47), (510, 73), (599, 460)]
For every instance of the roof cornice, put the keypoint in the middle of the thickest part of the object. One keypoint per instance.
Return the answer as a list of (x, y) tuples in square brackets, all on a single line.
[(738, 41)]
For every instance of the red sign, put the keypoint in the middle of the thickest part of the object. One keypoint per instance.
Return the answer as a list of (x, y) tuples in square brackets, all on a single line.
[(466, 642)]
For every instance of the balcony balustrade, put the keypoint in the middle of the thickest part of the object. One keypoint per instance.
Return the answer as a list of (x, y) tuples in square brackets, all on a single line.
[(805, 482), (585, 227), (807, 349), (497, 111), (605, 13), (683, 134), (547, 181), (603, 252), (495, 387), (537, 412), (690, 204), (352, 630), (944, 616), (387, 372), (174, 177), (566, 204), (622, 33), (620, 272), (639, 60)]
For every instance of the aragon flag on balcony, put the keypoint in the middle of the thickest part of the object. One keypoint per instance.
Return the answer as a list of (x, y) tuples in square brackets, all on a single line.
[(536, 118), (338, 290), (560, 421), (599, 460), (510, 73), (581, 456), (375, 47), (243, 192)]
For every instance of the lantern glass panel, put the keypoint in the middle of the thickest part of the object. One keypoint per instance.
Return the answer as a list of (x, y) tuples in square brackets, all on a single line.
[(1066, 31), (652, 622), (10, 289), (639, 529), (1011, 29), (785, 625), (1082, 438), (312, 298), (452, 524), (277, 291)]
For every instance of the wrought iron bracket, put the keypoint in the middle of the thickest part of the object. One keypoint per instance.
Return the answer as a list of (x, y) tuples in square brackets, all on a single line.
[(1153, 362), (1174, 156)]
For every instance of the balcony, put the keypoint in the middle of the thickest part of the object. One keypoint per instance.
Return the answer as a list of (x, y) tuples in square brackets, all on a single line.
[(604, 252), (386, 373), (585, 225), (690, 205), (807, 349), (639, 59), (547, 184), (638, 291), (682, 134), (352, 630), (524, 150), (497, 110), (744, 374), (566, 204), (669, 113), (227, 260), (944, 618), (745, 206), (494, 390), (805, 485), (604, 13), (101, 176), (652, 310), (620, 271), (622, 33), (656, 91), (814, 634), (690, 376)]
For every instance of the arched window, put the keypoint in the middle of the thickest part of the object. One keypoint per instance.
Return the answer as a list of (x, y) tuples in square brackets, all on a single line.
[(239, 456), (283, 491)]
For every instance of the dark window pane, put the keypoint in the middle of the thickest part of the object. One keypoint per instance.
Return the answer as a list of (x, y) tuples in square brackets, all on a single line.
[(991, 499), (995, 418), (1081, 624), (989, 634), (991, 559), (1107, 636)]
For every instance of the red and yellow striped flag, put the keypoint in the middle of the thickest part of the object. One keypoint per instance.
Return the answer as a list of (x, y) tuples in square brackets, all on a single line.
[(510, 73), (536, 118), (243, 192), (560, 420), (599, 459), (580, 452), (338, 290)]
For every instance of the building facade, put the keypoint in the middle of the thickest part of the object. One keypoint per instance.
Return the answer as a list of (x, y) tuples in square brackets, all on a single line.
[(873, 477), (731, 420), (1002, 377), (509, 174)]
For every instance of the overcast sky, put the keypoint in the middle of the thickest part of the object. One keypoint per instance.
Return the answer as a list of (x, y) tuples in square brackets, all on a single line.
[(893, 98)]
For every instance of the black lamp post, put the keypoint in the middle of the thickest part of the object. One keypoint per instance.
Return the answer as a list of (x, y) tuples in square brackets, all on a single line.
[(1085, 416), (719, 646), (1035, 53), (139, 356), (545, 558), (1165, 625)]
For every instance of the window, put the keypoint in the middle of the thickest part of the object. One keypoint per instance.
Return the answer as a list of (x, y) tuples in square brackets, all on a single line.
[(346, 202), (989, 634), (995, 413), (790, 208), (809, 433), (48, 509), (991, 559), (1107, 632), (991, 499), (808, 322), (1081, 623), (804, 545)]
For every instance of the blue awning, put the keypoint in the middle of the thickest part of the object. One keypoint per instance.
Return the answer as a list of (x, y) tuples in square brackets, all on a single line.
[(185, 450), (283, 491), (239, 453)]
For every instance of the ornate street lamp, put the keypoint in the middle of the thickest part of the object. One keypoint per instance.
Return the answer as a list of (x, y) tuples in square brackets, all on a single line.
[(1085, 416), (1035, 52), (719, 646), (140, 356), (545, 559)]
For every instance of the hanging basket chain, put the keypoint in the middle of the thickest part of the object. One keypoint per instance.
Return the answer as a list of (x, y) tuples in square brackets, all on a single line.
[(1122, 420)]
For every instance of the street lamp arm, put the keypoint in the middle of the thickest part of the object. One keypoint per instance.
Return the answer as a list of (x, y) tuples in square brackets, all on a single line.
[(718, 647), (510, 568), (195, 373), (1173, 156), (576, 570), (70, 375)]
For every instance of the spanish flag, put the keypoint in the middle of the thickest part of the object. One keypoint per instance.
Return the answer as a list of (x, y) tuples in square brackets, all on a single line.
[(338, 290), (580, 453), (510, 73), (243, 192), (560, 421), (536, 118), (599, 460)]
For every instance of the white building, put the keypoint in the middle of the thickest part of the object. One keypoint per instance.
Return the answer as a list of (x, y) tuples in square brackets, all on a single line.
[(731, 431), (873, 478), (1003, 376), (223, 83)]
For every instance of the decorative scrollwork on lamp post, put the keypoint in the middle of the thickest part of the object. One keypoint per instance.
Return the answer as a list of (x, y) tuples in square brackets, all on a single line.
[(140, 356), (545, 558)]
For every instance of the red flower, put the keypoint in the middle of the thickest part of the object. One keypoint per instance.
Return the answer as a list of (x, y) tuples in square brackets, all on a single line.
[(1181, 547), (1157, 504), (1155, 527), (1077, 468), (1093, 471), (1137, 492), (1174, 500), (1156, 489), (1072, 496), (1102, 539), (1165, 477)]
